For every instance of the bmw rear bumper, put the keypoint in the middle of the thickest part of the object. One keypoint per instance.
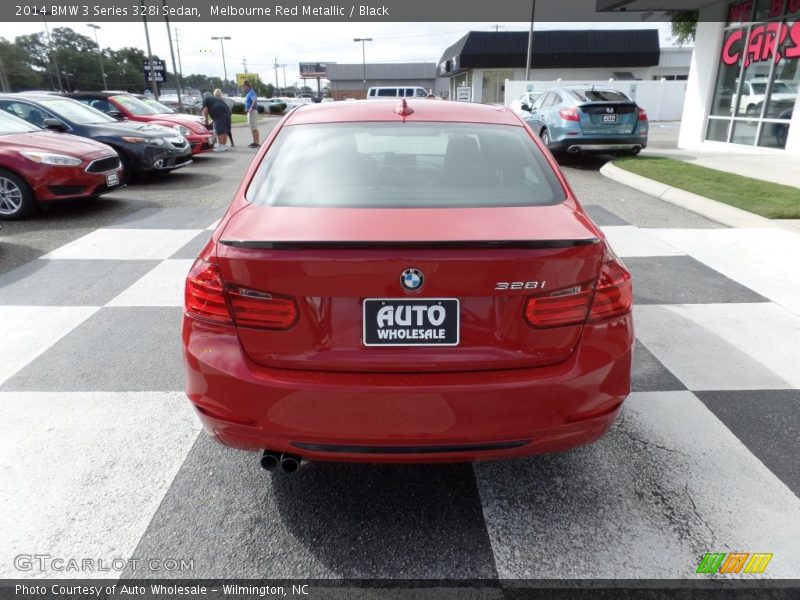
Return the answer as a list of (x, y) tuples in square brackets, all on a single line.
[(401, 417)]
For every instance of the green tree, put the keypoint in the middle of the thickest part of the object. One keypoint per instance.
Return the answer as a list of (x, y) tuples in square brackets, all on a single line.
[(684, 25), (16, 71)]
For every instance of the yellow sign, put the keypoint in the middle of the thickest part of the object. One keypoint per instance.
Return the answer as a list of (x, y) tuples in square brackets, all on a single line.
[(240, 77)]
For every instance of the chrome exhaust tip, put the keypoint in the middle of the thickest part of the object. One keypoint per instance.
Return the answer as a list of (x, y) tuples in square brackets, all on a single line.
[(270, 460), (290, 463)]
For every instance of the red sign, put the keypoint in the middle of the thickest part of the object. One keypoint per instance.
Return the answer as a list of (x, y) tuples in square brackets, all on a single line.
[(769, 41)]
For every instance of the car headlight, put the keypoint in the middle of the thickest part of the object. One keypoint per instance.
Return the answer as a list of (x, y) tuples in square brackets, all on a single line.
[(182, 130), (155, 141), (59, 160)]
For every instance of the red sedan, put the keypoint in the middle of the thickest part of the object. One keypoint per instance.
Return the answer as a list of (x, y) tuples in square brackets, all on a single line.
[(406, 283), (38, 166), (128, 106)]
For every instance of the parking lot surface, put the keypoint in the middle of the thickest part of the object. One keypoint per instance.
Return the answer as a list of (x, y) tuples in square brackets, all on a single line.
[(101, 455)]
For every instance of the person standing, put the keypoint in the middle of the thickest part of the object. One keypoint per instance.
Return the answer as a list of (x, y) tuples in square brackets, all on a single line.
[(217, 110), (251, 108)]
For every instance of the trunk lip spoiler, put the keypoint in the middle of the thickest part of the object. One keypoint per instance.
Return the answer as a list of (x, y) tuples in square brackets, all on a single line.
[(408, 245)]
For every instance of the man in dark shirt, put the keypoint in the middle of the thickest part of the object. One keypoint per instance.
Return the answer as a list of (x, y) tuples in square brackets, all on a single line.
[(220, 114)]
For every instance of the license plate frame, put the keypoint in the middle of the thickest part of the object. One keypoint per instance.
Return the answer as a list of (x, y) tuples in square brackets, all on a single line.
[(450, 325)]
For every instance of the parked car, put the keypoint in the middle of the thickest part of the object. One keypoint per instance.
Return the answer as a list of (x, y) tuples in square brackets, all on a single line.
[(396, 92), (128, 107), (585, 119), (521, 105), (38, 166), (445, 299), (142, 148)]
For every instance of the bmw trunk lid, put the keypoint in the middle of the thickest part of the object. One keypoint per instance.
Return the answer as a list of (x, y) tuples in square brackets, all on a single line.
[(451, 284)]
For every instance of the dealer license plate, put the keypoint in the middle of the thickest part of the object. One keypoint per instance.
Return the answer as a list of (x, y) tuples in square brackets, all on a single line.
[(609, 118), (112, 179), (406, 322)]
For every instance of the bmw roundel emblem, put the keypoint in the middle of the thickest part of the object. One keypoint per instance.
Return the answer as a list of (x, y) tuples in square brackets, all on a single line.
[(412, 280)]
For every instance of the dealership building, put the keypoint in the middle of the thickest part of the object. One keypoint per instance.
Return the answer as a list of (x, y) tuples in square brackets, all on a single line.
[(742, 90), (347, 80)]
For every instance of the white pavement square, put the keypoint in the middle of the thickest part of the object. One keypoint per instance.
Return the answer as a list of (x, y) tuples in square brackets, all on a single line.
[(126, 244), (669, 483), (84, 472), (163, 286), (30, 330), (724, 346), (627, 240), (765, 260)]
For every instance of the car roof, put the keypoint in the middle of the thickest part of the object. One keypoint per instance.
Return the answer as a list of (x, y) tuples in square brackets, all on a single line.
[(96, 94), (384, 110), (32, 96)]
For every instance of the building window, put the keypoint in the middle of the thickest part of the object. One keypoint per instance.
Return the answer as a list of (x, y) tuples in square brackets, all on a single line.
[(759, 74)]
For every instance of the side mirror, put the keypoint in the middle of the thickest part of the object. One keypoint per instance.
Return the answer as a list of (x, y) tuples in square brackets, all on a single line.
[(115, 114), (526, 107), (54, 125)]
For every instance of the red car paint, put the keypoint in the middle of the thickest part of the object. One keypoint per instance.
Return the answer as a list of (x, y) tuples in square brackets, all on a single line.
[(199, 137), (49, 182), (535, 370)]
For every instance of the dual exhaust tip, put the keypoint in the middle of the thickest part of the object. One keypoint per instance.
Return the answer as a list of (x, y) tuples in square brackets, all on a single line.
[(288, 463)]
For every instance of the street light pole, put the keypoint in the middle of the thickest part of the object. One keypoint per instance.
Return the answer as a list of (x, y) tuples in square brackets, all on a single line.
[(530, 41), (172, 54), (222, 45), (364, 59), (52, 54), (149, 54), (100, 52)]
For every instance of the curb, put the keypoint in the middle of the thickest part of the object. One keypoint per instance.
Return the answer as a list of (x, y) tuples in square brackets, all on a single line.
[(706, 207)]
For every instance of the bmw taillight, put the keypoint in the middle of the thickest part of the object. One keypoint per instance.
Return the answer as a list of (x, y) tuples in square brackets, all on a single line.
[(569, 114), (204, 294), (642, 114), (206, 297), (613, 295), (560, 308), (262, 310)]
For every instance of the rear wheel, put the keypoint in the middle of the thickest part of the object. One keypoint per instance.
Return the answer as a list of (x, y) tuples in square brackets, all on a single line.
[(545, 135), (16, 197)]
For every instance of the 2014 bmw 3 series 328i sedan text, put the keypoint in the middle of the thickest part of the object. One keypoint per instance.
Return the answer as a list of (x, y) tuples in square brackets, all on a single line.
[(406, 282)]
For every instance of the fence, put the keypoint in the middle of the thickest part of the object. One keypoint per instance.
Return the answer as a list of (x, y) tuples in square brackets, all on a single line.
[(663, 100)]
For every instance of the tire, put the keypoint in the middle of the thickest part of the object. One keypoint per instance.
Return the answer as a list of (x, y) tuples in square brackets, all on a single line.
[(127, 168), (545, 135), (16, 197)]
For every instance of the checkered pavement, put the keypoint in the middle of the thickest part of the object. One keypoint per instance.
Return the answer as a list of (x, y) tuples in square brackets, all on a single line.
[(101, 456)]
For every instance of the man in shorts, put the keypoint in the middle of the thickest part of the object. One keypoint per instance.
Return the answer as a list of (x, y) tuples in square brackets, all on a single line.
[(217, 110), (251, 108)]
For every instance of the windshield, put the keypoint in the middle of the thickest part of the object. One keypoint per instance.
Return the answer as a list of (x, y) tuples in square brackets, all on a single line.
[(600, 96), (76, 112), (134, 106), (404, 165), (11, 124), (781, 87), (160, 109)]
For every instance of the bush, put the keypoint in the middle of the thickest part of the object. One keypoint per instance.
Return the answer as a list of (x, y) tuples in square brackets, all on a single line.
[(277, 108), (237, 109)]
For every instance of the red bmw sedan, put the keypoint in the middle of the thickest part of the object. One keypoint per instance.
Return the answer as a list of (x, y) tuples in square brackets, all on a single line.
[(410, 282)]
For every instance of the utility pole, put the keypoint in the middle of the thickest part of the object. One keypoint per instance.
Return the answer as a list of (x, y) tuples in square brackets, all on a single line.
[(222, 39), (172, 54), (284, 78), (244, 65), (277, 83), (149, 53), (530, 42), (178, 48)]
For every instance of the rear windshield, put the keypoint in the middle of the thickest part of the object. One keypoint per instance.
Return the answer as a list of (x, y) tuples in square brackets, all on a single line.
[(600, 96), (397, 165)]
